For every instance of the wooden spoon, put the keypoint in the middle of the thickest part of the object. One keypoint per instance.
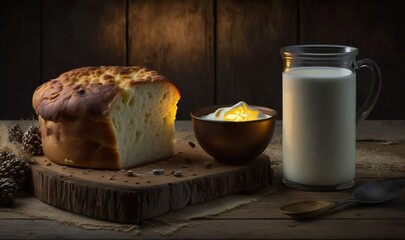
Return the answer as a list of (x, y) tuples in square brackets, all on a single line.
[(376, 191)]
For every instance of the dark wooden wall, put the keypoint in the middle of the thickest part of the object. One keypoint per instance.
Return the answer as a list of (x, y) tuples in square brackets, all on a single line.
[(216, 51)]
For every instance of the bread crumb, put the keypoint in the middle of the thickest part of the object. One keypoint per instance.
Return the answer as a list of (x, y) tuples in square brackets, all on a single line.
[(191, 144), (207, 165), (177, 174), (158, 171), (48, 164), (130, 173), (67, 161)]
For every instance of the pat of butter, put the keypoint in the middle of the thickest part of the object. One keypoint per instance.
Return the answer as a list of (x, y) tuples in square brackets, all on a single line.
[(237, 113)]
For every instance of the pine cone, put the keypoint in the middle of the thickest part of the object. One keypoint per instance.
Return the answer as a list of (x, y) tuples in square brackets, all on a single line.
[(6, 155), (17, 169), (15, 133), (8, 188), (32, 142)]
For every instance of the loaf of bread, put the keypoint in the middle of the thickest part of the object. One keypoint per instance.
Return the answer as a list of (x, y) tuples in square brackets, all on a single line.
[(107, 117)]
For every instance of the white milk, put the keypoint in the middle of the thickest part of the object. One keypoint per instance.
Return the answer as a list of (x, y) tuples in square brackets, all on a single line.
[(319, 121)]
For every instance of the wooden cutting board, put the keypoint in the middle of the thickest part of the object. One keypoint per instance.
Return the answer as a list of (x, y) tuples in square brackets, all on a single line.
[(113, 196)]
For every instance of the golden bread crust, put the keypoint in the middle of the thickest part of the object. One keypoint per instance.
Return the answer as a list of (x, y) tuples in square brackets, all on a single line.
[(89, 92), (80, 143)]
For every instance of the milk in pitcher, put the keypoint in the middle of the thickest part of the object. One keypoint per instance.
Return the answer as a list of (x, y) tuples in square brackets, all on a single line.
[(319, 125)]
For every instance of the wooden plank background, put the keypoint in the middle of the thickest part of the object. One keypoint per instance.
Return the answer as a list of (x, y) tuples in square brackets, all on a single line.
[(216, 51), (176, 38), (19, 57), (249, 36), (78, 33)]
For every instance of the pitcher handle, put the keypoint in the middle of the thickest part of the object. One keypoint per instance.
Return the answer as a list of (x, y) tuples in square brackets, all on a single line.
[(375, 90)]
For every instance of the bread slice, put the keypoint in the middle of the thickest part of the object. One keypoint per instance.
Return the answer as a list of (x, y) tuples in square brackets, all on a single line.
[(107, 117)]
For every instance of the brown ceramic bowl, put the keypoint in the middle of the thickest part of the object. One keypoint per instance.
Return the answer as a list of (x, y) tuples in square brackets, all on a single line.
[(233, 142)]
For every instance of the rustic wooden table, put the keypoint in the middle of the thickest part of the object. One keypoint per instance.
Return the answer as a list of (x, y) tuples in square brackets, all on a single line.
[(262, 219)]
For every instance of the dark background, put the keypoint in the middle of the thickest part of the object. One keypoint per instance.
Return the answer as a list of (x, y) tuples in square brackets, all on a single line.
[(216, 51)]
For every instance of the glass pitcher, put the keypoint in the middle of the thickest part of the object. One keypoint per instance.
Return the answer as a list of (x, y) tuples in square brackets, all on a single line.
[(319, 114)]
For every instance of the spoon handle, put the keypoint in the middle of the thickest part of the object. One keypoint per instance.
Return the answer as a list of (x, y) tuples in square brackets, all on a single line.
[(345, 201)]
